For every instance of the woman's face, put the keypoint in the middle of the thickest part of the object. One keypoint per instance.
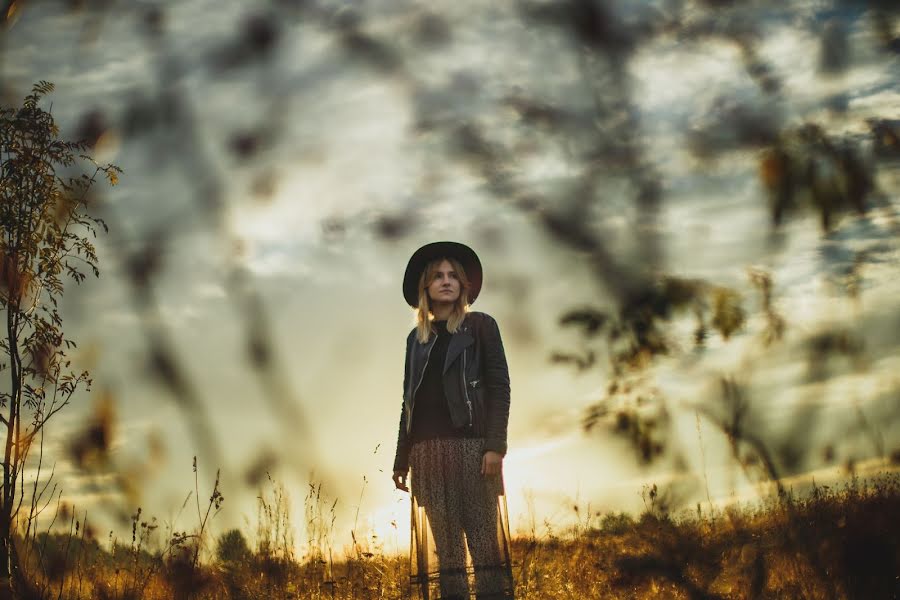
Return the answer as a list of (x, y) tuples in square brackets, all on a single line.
[(444, 287)]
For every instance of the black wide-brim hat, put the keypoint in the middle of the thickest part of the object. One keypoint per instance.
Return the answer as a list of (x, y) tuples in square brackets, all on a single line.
[(429, 252)]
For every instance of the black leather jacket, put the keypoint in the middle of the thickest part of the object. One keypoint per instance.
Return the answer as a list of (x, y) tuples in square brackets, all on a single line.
[(476, 383)]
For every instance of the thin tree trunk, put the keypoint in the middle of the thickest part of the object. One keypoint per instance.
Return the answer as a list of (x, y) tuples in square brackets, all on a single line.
[(5, 554), (6, 502)]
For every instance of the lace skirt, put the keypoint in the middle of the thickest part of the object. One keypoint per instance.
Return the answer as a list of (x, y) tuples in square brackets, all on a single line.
[(460, 527)]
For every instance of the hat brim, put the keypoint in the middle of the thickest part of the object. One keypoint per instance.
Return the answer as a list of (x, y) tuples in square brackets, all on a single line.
[(429, 252)]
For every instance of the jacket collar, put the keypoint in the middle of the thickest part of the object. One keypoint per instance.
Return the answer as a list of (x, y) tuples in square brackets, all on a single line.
[(459, 341)]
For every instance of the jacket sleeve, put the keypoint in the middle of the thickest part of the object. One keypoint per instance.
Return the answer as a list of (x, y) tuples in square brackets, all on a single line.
[(401, 456), (496, 380)]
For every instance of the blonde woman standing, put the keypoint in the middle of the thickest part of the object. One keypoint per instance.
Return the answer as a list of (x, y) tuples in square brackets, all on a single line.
[(452, 434)]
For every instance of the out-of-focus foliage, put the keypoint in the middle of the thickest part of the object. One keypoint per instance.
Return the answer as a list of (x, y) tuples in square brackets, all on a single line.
[(549, 126), (232, 547)]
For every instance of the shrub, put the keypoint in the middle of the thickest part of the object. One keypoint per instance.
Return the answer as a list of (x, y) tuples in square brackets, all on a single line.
[(232, 547)]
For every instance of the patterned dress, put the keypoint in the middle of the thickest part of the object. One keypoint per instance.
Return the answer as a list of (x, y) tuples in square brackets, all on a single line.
[(460, 527)]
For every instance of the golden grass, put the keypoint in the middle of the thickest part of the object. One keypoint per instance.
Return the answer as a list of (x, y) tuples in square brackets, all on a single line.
[(834, 543)]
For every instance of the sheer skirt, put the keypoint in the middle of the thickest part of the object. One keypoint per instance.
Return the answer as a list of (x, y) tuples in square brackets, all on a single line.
[(460, 528)]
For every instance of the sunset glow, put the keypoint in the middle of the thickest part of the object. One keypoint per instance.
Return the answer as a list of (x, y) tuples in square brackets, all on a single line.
[(686, 214)]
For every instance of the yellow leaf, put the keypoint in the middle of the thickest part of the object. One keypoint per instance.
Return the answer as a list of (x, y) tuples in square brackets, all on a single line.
[(13, 13)]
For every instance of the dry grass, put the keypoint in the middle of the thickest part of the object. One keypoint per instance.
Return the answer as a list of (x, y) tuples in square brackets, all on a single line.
[(833, 543)]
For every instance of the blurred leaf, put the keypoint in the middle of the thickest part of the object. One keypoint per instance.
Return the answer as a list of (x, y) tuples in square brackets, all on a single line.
[(728, 313), (591, 321)]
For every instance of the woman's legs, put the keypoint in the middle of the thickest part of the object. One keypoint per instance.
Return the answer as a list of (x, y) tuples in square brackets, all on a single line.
[(483, 533), (450, 547), (438, 468)]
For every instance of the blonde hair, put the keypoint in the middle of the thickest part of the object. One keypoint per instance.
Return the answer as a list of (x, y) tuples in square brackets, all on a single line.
[(424, 317)]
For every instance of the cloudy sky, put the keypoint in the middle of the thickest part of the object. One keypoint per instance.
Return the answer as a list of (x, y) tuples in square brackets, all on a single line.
[(283, 158)]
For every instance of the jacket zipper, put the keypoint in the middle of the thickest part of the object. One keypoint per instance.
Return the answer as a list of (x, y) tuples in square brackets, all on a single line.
[(465, 387), (412, 403)]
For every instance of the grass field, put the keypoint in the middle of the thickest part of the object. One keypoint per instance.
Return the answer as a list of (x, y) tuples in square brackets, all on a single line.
[(832, 543)]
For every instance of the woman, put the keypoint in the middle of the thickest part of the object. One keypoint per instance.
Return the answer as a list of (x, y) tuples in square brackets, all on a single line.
[(452, 434)]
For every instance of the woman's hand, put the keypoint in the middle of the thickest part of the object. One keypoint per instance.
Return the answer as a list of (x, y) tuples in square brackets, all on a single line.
[(491, 463), (400, 480)]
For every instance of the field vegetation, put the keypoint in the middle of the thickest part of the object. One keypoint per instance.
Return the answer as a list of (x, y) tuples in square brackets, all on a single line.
[(834, 542)]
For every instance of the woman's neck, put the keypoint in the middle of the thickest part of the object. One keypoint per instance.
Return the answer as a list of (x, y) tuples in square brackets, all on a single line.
[(441, 312)]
